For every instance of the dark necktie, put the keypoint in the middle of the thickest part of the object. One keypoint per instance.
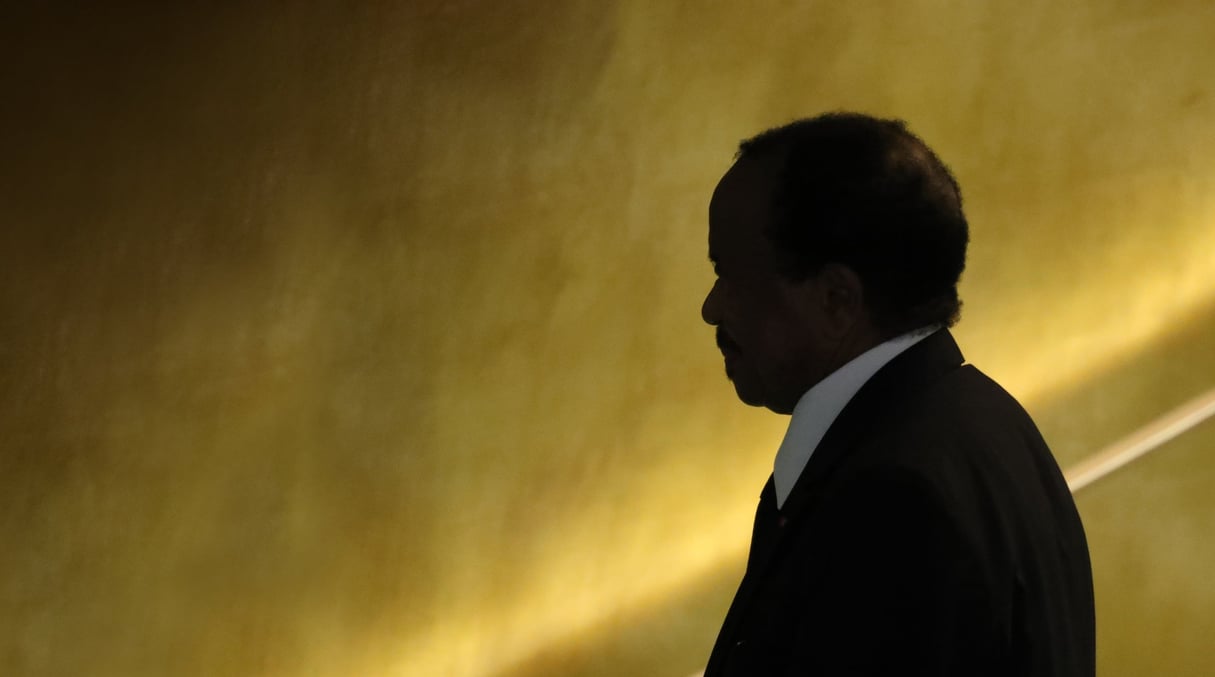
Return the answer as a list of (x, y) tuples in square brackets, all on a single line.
[(763, 537), (767, 524)]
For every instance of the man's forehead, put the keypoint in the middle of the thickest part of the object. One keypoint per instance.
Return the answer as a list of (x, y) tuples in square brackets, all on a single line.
[(742, 196)]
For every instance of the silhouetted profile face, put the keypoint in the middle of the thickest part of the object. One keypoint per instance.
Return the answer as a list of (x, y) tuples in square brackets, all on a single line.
[(771, 331)]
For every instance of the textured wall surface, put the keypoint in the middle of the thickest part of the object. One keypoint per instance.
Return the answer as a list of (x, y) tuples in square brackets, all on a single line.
[(367, 342)]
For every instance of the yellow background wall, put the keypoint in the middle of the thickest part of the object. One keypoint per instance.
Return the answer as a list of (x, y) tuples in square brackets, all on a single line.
[(366, 341)]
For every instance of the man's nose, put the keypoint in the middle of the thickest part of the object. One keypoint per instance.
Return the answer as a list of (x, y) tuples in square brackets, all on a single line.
[(708, 310)]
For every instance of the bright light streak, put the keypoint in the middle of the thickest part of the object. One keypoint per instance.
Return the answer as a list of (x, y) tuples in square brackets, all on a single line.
[(1142, 441)]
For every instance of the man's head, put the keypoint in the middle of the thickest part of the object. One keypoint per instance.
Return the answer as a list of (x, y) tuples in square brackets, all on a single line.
[(828, 236)]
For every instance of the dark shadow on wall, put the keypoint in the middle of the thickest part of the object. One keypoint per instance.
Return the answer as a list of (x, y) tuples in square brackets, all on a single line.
[(674, 639)]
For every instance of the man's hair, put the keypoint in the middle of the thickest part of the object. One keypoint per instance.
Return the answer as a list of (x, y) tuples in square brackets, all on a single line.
[(867, 193)]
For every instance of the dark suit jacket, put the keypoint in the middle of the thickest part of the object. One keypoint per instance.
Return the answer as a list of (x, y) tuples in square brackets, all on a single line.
[(931, 533)]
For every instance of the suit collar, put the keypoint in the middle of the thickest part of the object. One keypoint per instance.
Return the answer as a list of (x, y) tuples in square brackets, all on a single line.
[(908, 373), (818, 408)]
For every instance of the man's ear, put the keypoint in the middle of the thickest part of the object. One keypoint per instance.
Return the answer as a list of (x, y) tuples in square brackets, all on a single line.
[(841, 295)]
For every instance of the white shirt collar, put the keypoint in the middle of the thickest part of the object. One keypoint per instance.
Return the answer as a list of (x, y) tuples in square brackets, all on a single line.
[(820, 405)]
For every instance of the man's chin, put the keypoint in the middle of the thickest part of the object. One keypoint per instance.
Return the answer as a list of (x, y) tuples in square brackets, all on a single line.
[(758, 397), (748, 396), (746, 382)]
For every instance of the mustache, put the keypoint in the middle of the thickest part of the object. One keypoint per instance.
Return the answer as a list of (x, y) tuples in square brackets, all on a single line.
[(724, 342)]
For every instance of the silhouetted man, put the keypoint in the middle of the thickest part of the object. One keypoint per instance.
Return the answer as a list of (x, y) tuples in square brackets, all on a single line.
[(915, 522)]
